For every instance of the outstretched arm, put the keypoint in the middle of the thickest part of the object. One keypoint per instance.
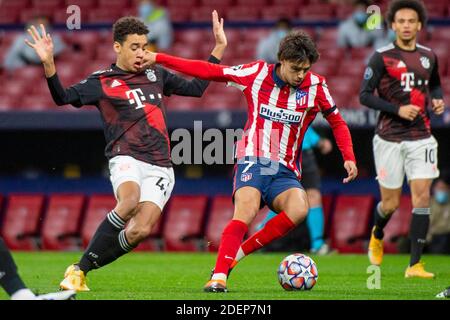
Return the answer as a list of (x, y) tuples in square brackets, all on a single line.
[(43, 45)]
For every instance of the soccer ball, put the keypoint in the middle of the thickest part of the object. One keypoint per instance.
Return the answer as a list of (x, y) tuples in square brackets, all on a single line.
[(297, 272)]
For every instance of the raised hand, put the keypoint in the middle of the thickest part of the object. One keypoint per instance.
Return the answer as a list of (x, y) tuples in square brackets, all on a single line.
[(219, 33), (42, 44)]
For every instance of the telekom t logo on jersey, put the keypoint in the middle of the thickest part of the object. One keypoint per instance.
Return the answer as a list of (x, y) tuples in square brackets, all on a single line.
[(407, 81), (136, 96)]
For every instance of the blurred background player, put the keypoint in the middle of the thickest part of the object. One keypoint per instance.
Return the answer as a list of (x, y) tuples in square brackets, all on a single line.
[(157, 20), (14, 285), (20, 55), (353, 32), (129, 98), (268, 46), (311, 182), (403, 73), (438, 238), (267, 172)]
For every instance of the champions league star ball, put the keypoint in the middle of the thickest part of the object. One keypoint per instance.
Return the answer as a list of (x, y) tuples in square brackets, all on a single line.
[(297, 272)]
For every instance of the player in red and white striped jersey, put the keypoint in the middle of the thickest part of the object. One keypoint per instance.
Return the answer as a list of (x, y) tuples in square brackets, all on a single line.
[(283, 99)]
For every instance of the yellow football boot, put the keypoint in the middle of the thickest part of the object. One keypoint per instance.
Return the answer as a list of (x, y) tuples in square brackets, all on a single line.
[(375, 252), (418, 271), (74, 279)]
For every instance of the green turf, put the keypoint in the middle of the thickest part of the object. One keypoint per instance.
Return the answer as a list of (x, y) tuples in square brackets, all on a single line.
[(182, 276)]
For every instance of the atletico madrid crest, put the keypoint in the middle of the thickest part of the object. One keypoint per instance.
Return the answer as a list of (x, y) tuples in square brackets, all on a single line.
[(301, 97), (246, 176)]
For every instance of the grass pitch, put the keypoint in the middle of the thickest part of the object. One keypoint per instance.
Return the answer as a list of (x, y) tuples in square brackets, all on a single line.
[(181, 276)]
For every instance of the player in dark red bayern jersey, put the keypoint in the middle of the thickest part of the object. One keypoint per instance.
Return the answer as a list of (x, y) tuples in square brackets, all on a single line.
[(404, 73), (283, 99), (129, 98)]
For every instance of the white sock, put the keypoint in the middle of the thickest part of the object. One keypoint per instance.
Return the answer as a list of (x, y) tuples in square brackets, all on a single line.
[(219, 276), (23, 294), (240, 254)]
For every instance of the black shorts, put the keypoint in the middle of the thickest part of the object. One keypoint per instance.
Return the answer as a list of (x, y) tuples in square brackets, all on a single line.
[(310, 170)]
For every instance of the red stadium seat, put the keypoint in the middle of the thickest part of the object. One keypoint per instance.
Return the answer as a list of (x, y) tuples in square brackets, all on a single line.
[(227, 100), (350, 224), (98, 207), (16, 88), (221, 213), (216, 3), (183, 227), (9, 16), (352, 69), (253, 3), (327, 205), (178, 14), (254, 35), (242, 13), (316, 12), (8, 102), (202, 14), (38, 103), (104, 15), (119, 4), (182, 103), (13, 5), (60, 230), (85, 5), (276, 12), (47, 5), (20, 228), (191, 36), (185, 3), (398, 225), (325, 68), (29, 74)]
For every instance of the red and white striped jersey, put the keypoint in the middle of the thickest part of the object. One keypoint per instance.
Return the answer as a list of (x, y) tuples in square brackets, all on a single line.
[(278, 114)]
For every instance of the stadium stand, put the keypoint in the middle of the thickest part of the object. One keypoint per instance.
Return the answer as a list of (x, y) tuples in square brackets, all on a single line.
[(20, 228), (183, 228), (60, 230), (220, 214), (97, 208), (398, 226), (350, 224)]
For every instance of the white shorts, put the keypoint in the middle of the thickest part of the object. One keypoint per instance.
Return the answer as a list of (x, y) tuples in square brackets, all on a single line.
[(156, 182), (418, 159)]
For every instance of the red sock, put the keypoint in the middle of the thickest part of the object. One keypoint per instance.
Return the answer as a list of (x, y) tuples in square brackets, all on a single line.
[(275, 228), (232, 237)]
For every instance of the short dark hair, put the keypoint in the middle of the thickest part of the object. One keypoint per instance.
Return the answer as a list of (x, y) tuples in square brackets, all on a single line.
[(415, 5), (128, 25), (298, 46)]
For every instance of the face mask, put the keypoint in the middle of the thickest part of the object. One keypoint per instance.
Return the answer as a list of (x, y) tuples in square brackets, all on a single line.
[(360, 17), (145, 9), (281, 33), (441, 197), (391, 35)]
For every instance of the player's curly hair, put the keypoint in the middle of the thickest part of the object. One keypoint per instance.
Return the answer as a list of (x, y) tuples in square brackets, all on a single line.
[(128, 25), (298, 46), (415, 5)]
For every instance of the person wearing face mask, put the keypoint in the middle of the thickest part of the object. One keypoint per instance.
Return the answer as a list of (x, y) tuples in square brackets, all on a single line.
[(158, 22), (353, 32), (268, 47), (439, 232), (20, 55)]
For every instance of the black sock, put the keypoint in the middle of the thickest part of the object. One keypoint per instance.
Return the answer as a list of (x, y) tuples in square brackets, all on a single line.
[(419, 227), (381, 219), (107, 244), (9, 279)]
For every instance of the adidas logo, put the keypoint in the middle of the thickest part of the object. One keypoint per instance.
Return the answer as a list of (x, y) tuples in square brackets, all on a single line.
[(401, 64), (115, 83)]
